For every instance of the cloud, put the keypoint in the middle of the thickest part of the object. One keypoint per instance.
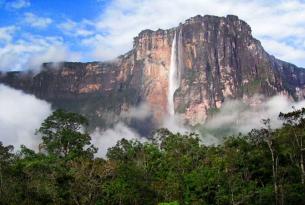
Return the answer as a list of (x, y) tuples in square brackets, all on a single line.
[(77, 29), (140, 112), (36, 21), (55, 54), (20, 115), (236, 116), (16, 4), (284, 51), (279, 25), (32, 50), (6, 33), (104, 139), (107, 138), (175, 123), (281, 21)]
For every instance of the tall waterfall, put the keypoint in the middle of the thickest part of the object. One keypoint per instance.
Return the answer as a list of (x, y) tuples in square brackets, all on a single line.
[(174, 71)]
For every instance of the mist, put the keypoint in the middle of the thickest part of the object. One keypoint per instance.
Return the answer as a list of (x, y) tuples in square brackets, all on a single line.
[(234, 117), (237, 117), (105, 139), (20, 115)]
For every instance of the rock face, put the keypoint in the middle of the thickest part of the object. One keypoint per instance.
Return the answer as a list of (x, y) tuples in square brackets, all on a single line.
[(218, 57)]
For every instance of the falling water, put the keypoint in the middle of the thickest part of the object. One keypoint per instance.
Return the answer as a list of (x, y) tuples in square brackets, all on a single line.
[(174, 72)]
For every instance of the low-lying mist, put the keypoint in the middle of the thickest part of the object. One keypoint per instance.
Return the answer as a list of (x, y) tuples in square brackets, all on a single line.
[(233, 118), (21, 114), (237, 117)]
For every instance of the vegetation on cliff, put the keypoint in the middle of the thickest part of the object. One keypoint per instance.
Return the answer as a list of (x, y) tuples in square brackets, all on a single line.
[(265, 166)]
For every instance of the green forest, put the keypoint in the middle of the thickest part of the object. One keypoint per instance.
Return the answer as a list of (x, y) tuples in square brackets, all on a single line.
[(265, 166)]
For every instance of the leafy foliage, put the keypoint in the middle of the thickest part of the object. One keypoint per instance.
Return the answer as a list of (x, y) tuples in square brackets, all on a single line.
[(264, 167), (62, 135)]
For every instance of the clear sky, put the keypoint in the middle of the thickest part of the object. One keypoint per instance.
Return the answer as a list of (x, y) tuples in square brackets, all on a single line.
[(36, 31)]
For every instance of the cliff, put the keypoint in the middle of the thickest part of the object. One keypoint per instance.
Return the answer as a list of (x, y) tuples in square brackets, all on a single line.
[(216, 57)]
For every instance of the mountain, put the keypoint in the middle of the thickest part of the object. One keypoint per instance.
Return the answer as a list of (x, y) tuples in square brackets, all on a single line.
[(196, 65)]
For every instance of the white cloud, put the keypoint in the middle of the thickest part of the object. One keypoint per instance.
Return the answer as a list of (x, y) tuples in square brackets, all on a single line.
[(104, 139), (140, 112), (54, 53), (20, 115), (124, 19), (16, 4), (37, 21), (32, 50), (175, 123), (241, 118), (6, 33), (107, 138), (283, 50), (72, 28), (280, 25)]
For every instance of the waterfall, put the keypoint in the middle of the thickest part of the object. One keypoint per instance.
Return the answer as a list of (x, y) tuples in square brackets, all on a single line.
[(174, 71)]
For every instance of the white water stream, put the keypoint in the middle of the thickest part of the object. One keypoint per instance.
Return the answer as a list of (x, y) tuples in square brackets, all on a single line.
[(174, 72)]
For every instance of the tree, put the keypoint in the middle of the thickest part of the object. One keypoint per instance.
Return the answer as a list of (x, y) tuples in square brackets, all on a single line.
[(89, 178), (38, 175), (64, 134), (294, 122), (131, 184), (6, 160), (260, 168), (266, 135), (6, 156)]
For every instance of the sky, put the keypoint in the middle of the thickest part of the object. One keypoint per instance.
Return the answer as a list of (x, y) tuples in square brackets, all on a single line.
[(37, 31)]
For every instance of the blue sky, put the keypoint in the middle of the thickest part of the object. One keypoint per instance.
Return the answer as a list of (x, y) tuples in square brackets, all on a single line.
[(39, 20), (35, 31)]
